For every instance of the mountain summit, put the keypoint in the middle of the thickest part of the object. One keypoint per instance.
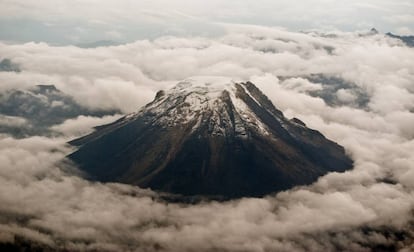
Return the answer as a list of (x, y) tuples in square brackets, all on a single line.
[(209, 136)]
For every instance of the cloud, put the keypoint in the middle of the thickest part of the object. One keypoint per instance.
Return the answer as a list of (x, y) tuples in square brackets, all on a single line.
[(12, 121), (60, 22), (364, 209), (82, 125), (127, 76), (405, 31)]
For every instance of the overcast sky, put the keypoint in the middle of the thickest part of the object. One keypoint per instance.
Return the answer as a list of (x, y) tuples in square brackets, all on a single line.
[(82, 21)]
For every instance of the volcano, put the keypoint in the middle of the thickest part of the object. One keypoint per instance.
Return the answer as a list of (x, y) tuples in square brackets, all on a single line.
[(209, 136)]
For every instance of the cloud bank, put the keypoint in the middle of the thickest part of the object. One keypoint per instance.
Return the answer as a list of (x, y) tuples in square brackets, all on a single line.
[(76, 22), (367, 208)]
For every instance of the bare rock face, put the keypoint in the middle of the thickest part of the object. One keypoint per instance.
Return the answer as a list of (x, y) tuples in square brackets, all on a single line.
[(209, 136)]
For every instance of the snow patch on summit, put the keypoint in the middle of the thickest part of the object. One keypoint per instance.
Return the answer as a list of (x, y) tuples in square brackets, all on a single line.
[(198, 100), (248, 116), (209, 86)]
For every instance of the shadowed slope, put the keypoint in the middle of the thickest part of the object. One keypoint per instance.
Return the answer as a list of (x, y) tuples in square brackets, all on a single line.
[(209, 136)]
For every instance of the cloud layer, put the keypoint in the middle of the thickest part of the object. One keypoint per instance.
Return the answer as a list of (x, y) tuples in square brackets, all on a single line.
[(65, 22), (367, 208)]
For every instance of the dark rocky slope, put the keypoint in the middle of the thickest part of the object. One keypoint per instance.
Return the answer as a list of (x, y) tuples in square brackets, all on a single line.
[(209, 136)]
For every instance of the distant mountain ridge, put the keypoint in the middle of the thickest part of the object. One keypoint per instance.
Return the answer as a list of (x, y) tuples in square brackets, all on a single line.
[(40, 107), (6, 65), (408, 40)]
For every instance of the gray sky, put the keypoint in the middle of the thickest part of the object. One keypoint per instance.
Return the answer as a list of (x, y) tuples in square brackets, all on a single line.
[(76, 21)]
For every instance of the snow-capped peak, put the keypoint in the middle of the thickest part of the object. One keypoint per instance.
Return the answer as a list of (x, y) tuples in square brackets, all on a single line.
[(211, 86), (223, 103), (209, 131)]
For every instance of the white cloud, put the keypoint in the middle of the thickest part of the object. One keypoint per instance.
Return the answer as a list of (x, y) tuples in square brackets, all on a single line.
[(138, 19), (404, 30), (301, 85), (342, 211), (82, 125), (345, 95), (13, 121), (128, 76)]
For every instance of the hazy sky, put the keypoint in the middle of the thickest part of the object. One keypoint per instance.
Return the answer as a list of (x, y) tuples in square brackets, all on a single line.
[(80, 21)]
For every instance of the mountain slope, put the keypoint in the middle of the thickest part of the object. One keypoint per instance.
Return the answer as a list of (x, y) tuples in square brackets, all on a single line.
[(38, 108), (407, 40), (209, 136)]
